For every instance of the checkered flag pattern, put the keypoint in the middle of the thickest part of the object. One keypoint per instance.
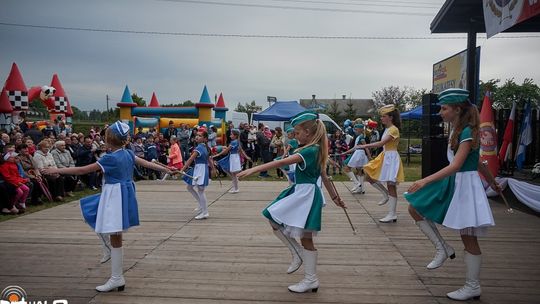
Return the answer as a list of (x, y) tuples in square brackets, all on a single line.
[(18, 100), (60, 104)]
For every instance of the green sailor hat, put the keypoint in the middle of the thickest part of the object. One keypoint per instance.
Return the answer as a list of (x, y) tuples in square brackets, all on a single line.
[(290, 130), (359, 126), (453, 96), (302, 117)]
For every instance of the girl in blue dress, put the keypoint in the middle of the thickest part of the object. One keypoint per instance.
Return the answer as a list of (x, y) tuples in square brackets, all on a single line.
[(114, 210), (454, 196), (231, 163), (297, 211), (200, 156)]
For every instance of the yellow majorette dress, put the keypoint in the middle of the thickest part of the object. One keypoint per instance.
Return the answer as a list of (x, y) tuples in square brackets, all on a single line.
[(387, 167)]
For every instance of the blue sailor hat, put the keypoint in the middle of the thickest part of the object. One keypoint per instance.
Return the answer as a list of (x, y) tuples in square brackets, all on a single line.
[(120, 129)]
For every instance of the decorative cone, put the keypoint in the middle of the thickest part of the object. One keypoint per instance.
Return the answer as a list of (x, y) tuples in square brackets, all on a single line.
[(16, 89), (61, 101), (153, 102)]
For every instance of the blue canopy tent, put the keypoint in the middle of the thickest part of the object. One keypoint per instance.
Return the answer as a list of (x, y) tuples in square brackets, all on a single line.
[(279, 111), (414, 114)]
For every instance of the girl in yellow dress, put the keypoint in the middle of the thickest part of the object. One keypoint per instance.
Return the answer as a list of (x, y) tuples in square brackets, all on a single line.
[(387, 166)]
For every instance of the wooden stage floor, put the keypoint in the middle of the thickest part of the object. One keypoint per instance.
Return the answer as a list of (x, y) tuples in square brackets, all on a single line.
[(233, 257)]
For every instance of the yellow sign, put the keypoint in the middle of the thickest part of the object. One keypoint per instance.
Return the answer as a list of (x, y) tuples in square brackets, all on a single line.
[(452, 72)]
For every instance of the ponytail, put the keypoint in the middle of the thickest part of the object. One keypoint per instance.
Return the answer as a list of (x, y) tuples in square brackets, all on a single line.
[(317, 128)]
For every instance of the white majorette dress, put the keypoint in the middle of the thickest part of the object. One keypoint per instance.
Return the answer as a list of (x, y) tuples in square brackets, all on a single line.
[(387, 167), (200, 170), (359, 158), (231, 163), (458, 201), (298, 209), (115, 208)]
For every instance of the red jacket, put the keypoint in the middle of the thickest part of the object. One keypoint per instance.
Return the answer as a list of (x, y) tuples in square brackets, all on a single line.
[(10, 172)]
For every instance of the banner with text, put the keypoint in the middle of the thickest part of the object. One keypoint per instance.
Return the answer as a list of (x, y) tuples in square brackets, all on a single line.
[(452, 72)]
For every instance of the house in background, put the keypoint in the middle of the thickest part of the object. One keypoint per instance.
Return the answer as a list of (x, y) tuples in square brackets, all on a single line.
[(344, 108)]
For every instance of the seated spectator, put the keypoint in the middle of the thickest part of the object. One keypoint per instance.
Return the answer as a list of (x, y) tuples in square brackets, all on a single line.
[(44, 159), (30, 146), (27, 164), (11, 175), (62, 159), (86, 156), (48, 131), (7, 193)]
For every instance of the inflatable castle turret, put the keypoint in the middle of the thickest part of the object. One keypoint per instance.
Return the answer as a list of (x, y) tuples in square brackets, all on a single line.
[(5, 110), (205, 106), (125, 105), (221, 109)]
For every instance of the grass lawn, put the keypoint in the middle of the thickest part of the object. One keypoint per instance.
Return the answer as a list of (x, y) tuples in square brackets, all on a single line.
[(47, 205)]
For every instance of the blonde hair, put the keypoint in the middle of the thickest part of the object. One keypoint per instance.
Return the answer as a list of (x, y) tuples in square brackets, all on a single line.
[(113, 140), (468, 116), (317, 129)]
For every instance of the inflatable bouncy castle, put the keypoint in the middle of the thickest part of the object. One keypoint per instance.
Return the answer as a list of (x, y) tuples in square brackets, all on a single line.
[(158, 117), (15, 98)]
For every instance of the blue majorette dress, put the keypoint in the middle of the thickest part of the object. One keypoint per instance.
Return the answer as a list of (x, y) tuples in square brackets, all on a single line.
[(115, 208), (200, 169), (359, 158), (298, 209), (458, 201), (231, 163)]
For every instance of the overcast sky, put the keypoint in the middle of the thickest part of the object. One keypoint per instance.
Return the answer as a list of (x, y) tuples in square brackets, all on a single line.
[(93, 64)]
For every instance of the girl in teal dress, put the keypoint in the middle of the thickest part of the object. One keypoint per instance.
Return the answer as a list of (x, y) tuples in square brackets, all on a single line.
[(297, 211), (454, 196)]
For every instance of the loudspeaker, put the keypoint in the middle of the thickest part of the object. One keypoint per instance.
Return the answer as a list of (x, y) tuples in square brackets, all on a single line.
[(433, 154), (431, 120)]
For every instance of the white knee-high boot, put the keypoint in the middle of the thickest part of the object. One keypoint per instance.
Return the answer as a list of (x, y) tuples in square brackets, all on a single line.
[(191, 190), (382, 189), (105, 247), (471, 289), (444, 251), (295, 248), (360, 179), (391, 216), (310, 281), (234, 185), (203, 204), (117, 278), (353, 178)]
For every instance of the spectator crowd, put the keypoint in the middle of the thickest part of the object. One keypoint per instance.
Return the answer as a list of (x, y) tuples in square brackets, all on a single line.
[(26, 150)]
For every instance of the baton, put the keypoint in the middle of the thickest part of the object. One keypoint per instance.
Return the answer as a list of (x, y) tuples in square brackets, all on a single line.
[(195, 178), (344, 209), (509, 210)]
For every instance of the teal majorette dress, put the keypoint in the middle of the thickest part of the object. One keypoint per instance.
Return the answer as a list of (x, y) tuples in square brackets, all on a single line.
[(458, 201), (298, 209), (359, 158)]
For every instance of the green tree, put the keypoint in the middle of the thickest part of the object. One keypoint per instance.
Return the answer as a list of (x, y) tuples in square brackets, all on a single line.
[(390, 95), (350, 111), (248, 108), (405, 98), (138, 100), (503, 96), (334, 112)]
